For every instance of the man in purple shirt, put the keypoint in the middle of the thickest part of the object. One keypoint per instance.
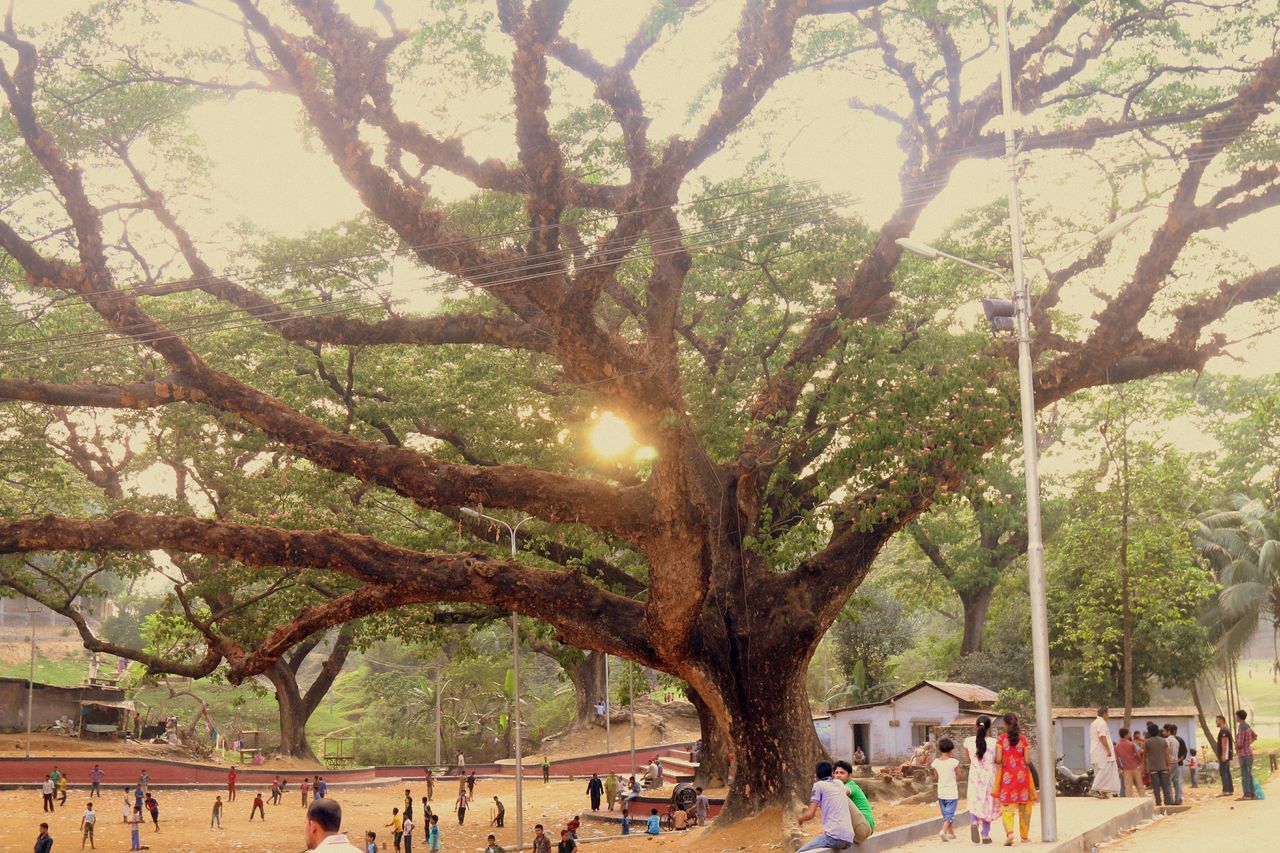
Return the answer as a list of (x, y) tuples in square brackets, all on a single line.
[(830, 798), (95, 779), (1245, 736)]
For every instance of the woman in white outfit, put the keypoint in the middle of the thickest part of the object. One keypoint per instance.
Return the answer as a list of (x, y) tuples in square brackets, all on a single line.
[(983, 808)]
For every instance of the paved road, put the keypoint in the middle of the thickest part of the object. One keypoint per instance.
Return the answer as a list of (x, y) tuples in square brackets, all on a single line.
[(1219, 824)]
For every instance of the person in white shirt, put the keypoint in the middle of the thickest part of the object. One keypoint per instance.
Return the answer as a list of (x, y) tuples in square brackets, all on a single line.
[(87, 820), (324, 819), (408, 833), (47, 790), (944, 770), (1102, 755)]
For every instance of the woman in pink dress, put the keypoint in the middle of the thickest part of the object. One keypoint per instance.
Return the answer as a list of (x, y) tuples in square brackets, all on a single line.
[(981, 755), (1016, 791)]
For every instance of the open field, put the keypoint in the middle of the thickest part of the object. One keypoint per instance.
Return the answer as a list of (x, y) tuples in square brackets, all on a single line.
[(184, 819)]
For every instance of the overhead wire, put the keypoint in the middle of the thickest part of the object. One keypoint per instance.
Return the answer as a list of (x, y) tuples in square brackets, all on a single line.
[(186, 283), (352, 304), (553, 260), (752, 219), (921, 190)]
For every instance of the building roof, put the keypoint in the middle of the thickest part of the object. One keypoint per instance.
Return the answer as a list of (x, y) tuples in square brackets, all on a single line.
[(974, 694), (965, 694), (125, 704), (1146, 711)]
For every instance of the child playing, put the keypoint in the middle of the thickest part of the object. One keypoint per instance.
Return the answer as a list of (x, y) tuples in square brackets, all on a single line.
[(626, 822), (407, 825), (217, 813), (944, 770), (306, 789), (371, 842), (259, 807), (1193, 764), (154, 808), (134, 822), (397, 828), (654, 825), (492, 845), (433, 839)]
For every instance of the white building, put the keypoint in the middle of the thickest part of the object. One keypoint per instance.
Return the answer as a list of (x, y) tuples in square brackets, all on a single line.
[(888, 731), (1071, 729)]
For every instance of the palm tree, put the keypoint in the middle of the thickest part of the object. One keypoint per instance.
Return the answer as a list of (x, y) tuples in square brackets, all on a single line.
[(1242, 546)]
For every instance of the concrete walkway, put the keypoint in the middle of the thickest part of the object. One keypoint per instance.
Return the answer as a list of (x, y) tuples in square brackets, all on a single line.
[(1082, 822), (1219, 824)]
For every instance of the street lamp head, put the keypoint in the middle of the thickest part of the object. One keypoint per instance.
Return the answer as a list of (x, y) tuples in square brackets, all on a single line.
[(466, 510), (1116, 227), (924, 250), (1001, 314)]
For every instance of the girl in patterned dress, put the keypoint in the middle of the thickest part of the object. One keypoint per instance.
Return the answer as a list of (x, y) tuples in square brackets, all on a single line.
[(1016, 792), (983, 808)]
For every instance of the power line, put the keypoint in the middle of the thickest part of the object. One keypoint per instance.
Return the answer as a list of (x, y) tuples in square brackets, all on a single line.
[(338, 307), (185, 284), (549, 261)]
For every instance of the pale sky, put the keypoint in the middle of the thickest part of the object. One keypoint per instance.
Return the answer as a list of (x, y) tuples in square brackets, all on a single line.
[(267, 174)]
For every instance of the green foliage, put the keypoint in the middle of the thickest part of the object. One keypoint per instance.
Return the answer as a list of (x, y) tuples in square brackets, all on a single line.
[(1241, 546), (1021, 702), (1168, 587), (872, 628)]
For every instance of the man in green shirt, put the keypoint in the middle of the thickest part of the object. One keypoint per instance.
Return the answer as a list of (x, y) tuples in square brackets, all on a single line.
[(864, 822)]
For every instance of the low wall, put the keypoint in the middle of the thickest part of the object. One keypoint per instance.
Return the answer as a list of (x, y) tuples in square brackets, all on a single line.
[(618, 762), (168, 772)]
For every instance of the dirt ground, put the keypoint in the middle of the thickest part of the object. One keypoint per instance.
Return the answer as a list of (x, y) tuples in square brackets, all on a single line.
[(1223, 823), (184, 820)]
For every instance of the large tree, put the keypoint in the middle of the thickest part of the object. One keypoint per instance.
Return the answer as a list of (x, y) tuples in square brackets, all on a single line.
[(804, 392)]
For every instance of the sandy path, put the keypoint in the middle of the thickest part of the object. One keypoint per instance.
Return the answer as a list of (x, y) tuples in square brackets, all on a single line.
[(1222, 823)]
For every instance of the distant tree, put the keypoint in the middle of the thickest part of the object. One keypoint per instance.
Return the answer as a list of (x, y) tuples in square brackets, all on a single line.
[(1126, 553), (872, 628), (1241, 545)]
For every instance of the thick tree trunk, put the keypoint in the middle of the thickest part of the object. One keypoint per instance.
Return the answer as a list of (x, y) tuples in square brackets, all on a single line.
[(772, 742), (297, 707), (588, 679), (293, 712), (976, 604), (713, 765)]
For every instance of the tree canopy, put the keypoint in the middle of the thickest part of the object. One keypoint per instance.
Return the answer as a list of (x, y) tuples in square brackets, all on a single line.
[(802, 390)]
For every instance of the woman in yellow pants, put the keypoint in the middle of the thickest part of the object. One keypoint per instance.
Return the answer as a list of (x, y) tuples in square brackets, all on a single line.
[(1014, 787)]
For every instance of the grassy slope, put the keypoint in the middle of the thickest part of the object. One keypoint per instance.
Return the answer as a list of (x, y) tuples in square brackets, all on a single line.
[(231, 707)]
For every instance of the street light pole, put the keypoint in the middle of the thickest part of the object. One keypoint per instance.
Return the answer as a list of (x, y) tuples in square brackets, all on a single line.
[(515, 678), (31, 682), (608, 746), (1030, 455), (1030, 451), (631, 712)]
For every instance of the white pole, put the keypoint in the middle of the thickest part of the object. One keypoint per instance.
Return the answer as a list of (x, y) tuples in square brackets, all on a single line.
[(608, 745), (1030, 454), (515, 712), (31, 683), (631, 712)]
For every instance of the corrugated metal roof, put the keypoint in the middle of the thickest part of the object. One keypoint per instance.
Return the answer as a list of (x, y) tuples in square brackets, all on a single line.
[(1145, 711), (967, 694), (127, 704), (975, 693)]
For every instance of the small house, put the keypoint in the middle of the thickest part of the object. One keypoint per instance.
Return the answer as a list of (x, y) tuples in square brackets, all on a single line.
[(888, 731), (1071, 729)]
